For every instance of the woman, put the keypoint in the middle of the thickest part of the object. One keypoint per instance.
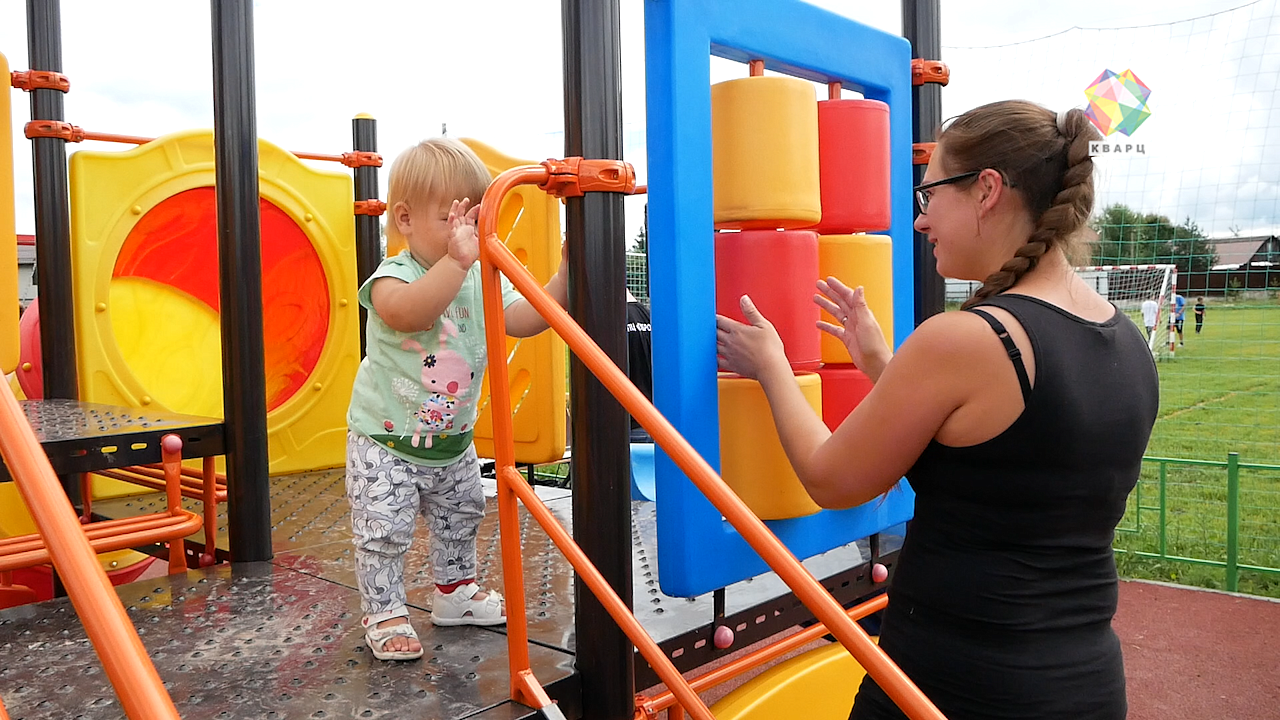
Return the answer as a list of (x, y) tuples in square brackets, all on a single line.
[(1020, 423)]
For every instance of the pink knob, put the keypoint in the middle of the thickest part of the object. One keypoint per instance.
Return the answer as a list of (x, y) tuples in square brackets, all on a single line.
[(171, 444), (879, 573), (723, 637)]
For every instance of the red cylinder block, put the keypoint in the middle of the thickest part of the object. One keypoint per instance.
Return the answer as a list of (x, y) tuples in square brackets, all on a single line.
[(778, 270), (853, 152), (843, 387)]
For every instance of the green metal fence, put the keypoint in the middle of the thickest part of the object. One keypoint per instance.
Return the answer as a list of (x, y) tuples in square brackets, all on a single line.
[(638, 276), (1211, 523)]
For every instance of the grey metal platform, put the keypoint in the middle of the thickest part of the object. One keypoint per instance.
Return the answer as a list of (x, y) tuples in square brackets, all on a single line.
[(255, 640), (283, 637)]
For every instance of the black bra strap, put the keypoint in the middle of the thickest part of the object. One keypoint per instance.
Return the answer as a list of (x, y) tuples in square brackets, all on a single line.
[(1010, 347)]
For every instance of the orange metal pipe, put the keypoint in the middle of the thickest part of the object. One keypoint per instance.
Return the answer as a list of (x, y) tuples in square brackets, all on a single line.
[(210, 514), (138, 140), (142, 694), (189, 490), (665, 699), (109, 137), (171, 454), (86, 499), (191, 487), (318, 156), (503, 436), (172, 528), (600, 587), (891, 679), (511, 484), (3, 714), (157, 471), (97, 530)]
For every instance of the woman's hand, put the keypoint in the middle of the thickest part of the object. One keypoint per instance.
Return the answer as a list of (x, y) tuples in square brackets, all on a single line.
[(858, 329), (750, 350), (464, 242)]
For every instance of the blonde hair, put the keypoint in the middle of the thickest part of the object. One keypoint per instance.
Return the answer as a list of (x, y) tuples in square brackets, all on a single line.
[(1041, 156), (439, 169)]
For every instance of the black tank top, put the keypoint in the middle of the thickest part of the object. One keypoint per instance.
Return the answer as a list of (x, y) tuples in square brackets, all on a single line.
[(1006, 585)]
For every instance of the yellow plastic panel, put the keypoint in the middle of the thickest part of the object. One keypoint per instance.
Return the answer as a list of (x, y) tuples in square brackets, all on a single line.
[(764, 153), (818, 685), (529, 223), (865, 260), (148, 344), (752, 461), (8, 238)]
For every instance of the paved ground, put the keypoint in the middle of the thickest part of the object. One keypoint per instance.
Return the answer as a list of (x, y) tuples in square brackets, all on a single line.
[(1197, 654)]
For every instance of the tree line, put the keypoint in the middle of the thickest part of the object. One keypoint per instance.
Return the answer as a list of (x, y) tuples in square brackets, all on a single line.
[(1128, 237)]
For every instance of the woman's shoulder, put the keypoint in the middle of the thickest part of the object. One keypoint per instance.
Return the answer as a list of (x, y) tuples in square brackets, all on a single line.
[(955, 336)]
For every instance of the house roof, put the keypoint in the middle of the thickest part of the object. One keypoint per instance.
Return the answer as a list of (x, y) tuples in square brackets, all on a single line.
[(1238, 251)]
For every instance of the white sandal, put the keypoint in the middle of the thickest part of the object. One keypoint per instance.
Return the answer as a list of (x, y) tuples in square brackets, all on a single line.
[(377, 638), (460, 608)]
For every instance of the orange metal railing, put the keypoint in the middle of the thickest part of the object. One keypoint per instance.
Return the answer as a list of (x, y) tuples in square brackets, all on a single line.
[(205, 485), (123, 656), (75, 133), (649, 707), (570, 178)]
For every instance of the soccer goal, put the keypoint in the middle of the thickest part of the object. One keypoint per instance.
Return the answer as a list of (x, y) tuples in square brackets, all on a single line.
[(1145, 293)]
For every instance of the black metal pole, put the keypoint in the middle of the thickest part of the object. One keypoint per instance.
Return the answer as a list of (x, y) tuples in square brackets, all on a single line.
[(53, 228), (53, 221), (364, 134), (244, 399), (922, 26), (597, 300)]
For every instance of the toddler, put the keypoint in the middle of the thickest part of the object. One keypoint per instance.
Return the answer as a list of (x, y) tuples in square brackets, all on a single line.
[(413, 405)]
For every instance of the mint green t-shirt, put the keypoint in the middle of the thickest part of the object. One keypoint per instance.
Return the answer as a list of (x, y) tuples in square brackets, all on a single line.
[(416, 393)]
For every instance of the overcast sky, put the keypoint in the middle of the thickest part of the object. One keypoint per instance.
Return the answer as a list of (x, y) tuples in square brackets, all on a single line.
[(491, 69)]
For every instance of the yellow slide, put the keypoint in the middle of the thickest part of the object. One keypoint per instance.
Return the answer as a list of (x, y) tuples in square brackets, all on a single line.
[(818, 685)]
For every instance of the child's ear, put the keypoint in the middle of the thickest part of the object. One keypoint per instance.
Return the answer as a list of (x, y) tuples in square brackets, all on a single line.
[(400, 212)]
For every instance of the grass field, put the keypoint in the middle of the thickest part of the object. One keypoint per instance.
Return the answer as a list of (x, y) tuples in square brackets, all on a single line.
[(1220, 393)]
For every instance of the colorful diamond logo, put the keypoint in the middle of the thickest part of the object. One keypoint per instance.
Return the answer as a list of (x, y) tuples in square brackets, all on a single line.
[(1117, 103)]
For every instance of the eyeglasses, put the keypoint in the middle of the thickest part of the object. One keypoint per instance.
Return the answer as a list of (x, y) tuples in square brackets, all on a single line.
[(923, 194)]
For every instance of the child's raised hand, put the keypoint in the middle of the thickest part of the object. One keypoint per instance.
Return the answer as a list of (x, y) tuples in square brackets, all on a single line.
[(464, 242)]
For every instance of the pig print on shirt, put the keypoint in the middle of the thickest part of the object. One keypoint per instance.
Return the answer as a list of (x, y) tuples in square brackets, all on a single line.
[(445, 376)]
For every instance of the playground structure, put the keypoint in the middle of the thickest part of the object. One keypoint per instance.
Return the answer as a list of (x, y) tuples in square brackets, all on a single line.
[(681, 469)]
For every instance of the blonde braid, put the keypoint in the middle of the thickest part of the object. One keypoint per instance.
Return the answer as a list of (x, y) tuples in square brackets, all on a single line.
[(1065, 216)]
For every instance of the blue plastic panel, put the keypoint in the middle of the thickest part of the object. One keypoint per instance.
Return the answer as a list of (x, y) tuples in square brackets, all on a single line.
[(698, 551)]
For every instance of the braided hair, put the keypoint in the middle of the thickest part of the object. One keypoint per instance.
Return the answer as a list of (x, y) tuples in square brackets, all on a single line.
[(1043, 156)]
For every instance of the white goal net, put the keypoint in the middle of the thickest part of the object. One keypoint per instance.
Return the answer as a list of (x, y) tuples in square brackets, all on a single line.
[(1146, 293)]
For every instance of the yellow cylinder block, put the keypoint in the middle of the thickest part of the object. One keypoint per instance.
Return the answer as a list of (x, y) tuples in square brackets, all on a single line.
[(8, 239), (854, 260), (752, 461), (764, 153)]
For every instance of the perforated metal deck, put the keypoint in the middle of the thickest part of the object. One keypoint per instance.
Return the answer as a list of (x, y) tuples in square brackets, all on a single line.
[(282, 639)]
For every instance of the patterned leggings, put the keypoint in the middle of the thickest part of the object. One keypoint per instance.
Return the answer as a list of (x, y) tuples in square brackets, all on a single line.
[(386, 495)]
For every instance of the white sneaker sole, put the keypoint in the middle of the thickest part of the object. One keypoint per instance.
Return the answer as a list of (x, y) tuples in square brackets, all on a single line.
[(455, 622)]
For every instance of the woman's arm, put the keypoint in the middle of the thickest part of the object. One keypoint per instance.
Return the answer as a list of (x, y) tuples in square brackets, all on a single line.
[(925, 382)]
